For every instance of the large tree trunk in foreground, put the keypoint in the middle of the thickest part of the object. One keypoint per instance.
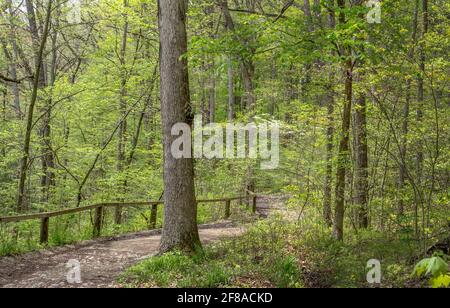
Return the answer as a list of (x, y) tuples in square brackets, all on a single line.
[(180, 229)]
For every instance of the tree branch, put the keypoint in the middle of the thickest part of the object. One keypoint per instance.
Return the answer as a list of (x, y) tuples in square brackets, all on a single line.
[(7, 79)]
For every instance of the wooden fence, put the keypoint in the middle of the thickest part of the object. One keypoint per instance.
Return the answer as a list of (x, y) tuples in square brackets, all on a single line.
[(100, 210)]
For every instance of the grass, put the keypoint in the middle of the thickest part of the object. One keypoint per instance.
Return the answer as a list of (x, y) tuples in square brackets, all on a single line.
[(276, 254), (246, 261)]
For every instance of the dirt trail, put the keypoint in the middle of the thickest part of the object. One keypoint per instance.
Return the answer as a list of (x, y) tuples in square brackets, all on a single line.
[(101, 261)]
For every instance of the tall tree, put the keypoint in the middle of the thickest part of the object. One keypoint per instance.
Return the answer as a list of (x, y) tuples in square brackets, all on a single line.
[(362, 161), (123, 106), (344, 147), (327, 212), (37, 82), (421, 103), (12, 56), (180, 229), (405, 116)]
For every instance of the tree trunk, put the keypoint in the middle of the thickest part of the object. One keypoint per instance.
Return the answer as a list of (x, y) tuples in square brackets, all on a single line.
[(121, 145), (229, 26), (212, 93), (37, 81), (421, 102), (231, 96), (248, 74), (48, 178), (343, 161), (362, 162), (247, 65), (327, 212), (180, 230), (405, 120), (14, 58)]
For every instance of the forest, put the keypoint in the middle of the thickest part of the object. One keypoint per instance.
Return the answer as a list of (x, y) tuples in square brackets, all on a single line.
[(344, 105)]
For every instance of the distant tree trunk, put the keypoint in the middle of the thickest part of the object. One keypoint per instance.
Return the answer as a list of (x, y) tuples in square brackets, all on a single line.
[(362, 162), (12, 57), (247, 65), (204, 106), (405, 119), (306, 79), (248, 102), (37, 81), (343, 156), (121, 145), (344, 147), (211, 67), (421, 101), (180, 230), (229, 26), (212, 93), (231, 96), (12, 71), (48, 179), (248, 74), (327, 212)]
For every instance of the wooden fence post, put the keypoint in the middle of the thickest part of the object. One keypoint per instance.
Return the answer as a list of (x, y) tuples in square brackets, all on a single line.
[(227, 209), (98, 221), (154, 216), (254, 204), (44, 230), (118, 215)]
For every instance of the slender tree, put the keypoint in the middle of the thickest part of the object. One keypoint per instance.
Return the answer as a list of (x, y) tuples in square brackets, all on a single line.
[(36, 85), (327, 212), (123, 106), (344, 144)]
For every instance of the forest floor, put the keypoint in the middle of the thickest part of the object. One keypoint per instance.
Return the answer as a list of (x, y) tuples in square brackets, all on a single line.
[(101, 261)]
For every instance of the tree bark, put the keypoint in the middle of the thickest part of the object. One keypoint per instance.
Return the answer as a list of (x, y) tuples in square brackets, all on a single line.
[(343, 156), (327, 212), (180, 230), (37, 81), (362, 162), (405, 119), (421, 99), (247, 65), (231, 95), (229, 26), (212, 93), (121, 145), (344, 147), (13, 58), (48, 178)]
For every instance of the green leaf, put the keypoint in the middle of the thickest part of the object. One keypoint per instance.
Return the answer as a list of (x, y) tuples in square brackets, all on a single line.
[(433, 267), (443, 281)]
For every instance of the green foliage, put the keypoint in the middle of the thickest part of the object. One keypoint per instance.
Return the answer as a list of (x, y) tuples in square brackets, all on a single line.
[(298, 63), (178, 270), (436, 269)]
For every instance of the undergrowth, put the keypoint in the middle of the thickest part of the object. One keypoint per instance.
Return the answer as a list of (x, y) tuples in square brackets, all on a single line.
[(274, 253)]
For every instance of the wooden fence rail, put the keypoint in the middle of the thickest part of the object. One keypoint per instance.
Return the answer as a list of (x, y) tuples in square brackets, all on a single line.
[(100, 210)]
